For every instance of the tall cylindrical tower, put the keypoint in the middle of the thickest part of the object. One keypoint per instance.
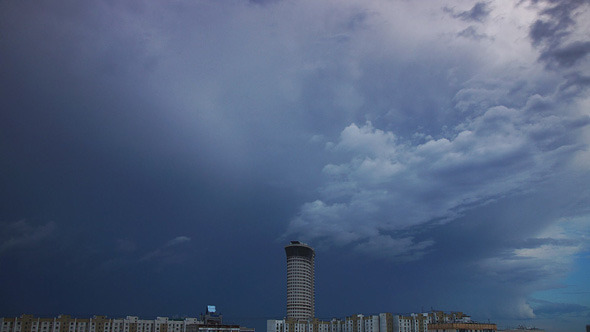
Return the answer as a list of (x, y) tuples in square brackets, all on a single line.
[(300, 281)]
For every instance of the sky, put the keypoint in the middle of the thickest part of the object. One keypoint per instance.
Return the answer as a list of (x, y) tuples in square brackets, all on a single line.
[(156, 157)]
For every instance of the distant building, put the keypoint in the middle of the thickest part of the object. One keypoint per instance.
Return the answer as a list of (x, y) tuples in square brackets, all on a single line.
[(210, 322), (65, 323), (524, 329), (421, 322), (461, 327), (211, 316), (384, 322), (300, 281)]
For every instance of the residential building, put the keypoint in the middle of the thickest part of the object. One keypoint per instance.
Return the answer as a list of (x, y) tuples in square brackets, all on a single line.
[(210, 322), (462, 327), (385, 322), (65, 323), (521, 328)]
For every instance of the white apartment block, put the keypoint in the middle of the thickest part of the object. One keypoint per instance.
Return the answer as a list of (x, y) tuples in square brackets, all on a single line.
[(402, 323), (371, 324), (65, 323), (384, 322)]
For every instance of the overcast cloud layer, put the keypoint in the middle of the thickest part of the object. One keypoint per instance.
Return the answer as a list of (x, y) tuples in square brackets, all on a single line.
[(434, 153)]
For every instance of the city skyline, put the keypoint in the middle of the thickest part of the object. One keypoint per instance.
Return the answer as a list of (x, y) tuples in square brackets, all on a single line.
[(158, 156), (301, 307)]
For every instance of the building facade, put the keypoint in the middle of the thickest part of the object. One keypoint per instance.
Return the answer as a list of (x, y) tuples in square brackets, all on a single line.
[(385, 322), (462, 327), (300, 281), (65, 323)]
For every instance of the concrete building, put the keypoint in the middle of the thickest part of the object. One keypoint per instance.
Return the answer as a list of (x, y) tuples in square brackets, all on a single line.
[(210, 322), (402, 323), (300, 281), (420, 322), (65, 323), (462, 327), (354, 323), (384, 322)]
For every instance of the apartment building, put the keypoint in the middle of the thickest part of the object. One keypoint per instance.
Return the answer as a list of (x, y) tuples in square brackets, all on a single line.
[(384, 322), (66, 323), (462, 327)]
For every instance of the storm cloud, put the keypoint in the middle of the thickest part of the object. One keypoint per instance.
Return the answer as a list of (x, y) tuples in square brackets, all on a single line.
[(158, 149)]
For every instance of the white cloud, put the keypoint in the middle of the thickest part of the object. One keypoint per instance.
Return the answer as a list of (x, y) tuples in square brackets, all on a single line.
[(388, 185), (170, 252), (540, 264), (178, 240), (508, 126)]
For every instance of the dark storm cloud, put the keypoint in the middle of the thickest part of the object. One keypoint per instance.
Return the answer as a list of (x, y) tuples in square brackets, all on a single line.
[(574, 85), (552, 31), (393, 196), (568, 55), (471, 32), (479, 12), (542, 30), (558, 19), (356, 125)]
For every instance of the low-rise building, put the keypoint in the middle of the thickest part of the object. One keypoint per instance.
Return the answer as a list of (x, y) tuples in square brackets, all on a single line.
[(66, 323), (384, 322), (523, 329), (462, 327), (210, 322)]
